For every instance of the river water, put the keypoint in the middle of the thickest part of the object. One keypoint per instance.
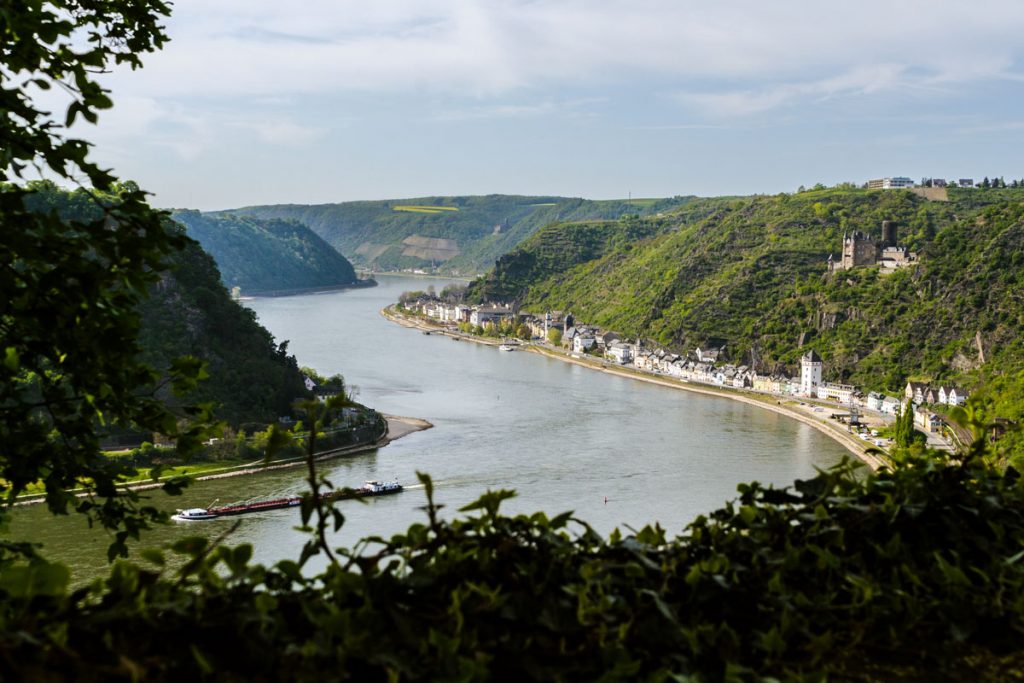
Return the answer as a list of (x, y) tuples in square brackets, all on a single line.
[(564, 437)]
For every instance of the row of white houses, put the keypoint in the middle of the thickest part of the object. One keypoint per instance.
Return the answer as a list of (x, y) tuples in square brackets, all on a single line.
[(699, 366)]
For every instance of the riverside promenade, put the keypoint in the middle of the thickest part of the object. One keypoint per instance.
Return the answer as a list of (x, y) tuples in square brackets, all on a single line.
[(779, 404)]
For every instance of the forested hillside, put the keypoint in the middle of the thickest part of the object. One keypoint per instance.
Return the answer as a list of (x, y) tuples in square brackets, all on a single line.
[(252, 378), (189, 312), (454, 234), (753, 271), (267, 255)]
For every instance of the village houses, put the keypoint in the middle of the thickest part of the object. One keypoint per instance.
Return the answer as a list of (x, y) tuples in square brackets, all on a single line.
[(702, 364), (921, 393)]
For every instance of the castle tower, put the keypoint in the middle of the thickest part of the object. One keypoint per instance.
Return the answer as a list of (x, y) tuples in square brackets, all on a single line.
[(890, 234), (810, 373), (859, 250)]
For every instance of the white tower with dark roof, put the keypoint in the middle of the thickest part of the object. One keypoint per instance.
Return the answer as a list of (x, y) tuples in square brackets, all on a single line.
[(810, 373)]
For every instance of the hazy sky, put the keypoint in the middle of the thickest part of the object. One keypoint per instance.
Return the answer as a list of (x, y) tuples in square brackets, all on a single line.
[(260, 101)]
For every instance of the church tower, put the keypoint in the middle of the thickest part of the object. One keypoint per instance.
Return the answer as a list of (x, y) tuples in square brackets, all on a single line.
[(810, 373)]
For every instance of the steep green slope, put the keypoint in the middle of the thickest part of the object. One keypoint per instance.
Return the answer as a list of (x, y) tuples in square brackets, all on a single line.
[(189, 312), (252, 379), (267, 255), (453, 234), (753, 271)]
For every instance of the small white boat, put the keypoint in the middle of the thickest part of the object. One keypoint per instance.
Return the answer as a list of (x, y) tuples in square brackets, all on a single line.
[(506, 347), (378, 488), (194, 514)]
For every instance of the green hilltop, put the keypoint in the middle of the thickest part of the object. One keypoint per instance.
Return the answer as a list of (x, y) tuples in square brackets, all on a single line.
[(457, 235), (267, 255), (753, 271)]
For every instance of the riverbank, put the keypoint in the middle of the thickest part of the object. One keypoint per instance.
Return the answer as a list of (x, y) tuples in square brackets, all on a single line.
[(274, 293), (777, 404), (397, 427), (424, 276)]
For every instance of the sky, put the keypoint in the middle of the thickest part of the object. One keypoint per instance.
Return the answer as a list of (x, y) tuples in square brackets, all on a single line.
[(260, 101)]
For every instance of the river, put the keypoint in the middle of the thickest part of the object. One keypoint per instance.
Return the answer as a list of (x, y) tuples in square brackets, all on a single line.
[(618, 452)]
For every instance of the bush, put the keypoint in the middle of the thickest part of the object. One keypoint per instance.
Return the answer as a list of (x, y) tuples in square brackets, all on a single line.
[(916, 570)]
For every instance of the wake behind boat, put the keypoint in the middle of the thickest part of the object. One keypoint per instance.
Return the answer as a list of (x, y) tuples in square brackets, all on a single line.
[(367, 490)]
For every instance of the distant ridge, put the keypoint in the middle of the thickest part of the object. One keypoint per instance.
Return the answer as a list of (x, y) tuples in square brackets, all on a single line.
[(267, 256), (453, 235)]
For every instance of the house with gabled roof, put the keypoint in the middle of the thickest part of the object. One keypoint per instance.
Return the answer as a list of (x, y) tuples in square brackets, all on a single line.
[(567, 337), (956, 396), (874, 401), (583, 341), (620, 353), (708, 354), (927, 420), (915, 391), (891, 405)]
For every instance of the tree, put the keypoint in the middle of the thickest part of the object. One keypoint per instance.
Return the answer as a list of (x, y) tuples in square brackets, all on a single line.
[(555, 336), (904, 432), (69, 288), (454, 294)]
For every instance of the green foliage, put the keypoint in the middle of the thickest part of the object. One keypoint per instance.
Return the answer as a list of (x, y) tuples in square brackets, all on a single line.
[(483, 228), (555, 336), (904, 433), (263, 256), (70, 286), (914, 571), (752, 271)]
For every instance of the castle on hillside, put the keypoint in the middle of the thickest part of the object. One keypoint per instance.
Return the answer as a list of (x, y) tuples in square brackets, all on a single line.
[(860, 249)]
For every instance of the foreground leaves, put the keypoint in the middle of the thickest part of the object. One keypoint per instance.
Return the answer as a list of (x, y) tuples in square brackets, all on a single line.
[(914, 572)]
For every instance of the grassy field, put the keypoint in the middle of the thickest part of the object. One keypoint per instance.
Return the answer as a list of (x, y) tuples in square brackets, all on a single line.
[(424, 209), (192, 470), (635, 201)]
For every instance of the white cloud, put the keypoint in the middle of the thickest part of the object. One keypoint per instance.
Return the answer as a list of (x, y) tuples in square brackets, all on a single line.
[(239, 75), (858, 81), (490, 48), (135, 122)]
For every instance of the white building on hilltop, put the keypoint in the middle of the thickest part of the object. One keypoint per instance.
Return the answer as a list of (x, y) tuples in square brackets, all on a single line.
[(810, 374), (893, 183)]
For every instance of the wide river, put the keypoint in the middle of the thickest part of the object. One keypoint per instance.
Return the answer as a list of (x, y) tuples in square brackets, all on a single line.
[(564, 437)]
